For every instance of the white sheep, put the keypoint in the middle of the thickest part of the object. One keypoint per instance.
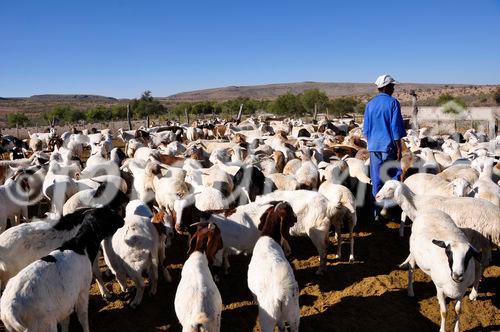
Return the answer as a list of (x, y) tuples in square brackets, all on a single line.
[(442, 251), (284, 182), (478, 218), (314, 213), (238, 228), (307, 174), (484, 187), (270, 276), (14, 198), (198, 304), (343, 198), (133, 249), (48, 290)]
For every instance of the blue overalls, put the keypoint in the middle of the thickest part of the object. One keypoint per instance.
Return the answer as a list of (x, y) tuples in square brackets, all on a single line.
[(383, 124)]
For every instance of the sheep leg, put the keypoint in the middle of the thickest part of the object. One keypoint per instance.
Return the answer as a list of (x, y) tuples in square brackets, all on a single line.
[(320, 240), (477, 277), (402, 224), (351, 236), (293, 314), (81, 308), (338, 234), (64, 324), (442, 308), (153, 275), (98, 278), (267, 323), (409, 264), (139, 292), (162, 260), (458, 306), (121, 277)]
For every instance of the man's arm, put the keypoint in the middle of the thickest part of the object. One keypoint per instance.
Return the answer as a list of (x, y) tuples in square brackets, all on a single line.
[(397, 128)]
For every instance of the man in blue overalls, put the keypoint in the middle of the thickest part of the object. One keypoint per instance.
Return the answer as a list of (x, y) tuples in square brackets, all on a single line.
[(383, 127)]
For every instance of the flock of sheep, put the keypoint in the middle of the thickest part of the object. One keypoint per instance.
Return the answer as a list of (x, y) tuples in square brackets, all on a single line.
[(232, 188)]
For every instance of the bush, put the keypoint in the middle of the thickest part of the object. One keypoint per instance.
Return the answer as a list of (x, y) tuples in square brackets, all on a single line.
[(451, 104), (99, 113), (17, 118), (288, 104), (346, 105), (64, 114)]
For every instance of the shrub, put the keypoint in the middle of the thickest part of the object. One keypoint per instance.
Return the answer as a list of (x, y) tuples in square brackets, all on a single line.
[(17, 118)]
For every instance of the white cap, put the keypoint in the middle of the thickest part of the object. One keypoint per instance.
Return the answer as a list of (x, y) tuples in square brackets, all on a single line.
[(384, 80)]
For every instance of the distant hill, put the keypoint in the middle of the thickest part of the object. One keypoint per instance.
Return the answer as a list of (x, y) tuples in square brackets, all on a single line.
[(70, 97), (333, 90)]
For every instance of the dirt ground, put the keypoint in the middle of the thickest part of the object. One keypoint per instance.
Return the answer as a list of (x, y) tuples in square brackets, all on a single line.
[(368, 294)]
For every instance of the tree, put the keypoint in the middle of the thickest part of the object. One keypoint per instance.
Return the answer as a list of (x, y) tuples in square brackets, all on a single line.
[(64, 114), (310, 98), (146, 105), (17, 118), (288, 104)]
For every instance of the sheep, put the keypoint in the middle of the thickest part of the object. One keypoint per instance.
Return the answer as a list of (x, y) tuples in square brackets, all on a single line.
[(357, 169), (86, 197), (284, 182), (292, 166), (7, 167), (314, 214), (343, 197), (238, 227), (48, 290), (36, 144), (22, 244), (198, 303), (459, 171), (478, 218), (142, 182), (14, 198), (270, 276), (442, 251), (133, 249), (430, 184), (164, 224), (484, 187), (307, 174)]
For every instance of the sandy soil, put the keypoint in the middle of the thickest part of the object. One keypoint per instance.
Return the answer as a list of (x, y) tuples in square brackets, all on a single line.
[(368, 294)]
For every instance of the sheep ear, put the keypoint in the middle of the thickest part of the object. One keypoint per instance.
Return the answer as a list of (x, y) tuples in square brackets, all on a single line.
[(263, 218), (439, 243), (192, 244), (476, 254)]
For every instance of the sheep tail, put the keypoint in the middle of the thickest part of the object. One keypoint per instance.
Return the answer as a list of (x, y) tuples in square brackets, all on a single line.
[(200, 322)]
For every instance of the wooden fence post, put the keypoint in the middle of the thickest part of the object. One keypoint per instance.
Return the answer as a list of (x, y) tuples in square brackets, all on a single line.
[(129, 118), (147, 121), (414, 113), (187, 115), (315, 111), (238, 118)]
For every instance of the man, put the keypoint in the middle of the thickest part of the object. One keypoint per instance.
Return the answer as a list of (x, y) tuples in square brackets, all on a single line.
[(383, 127)]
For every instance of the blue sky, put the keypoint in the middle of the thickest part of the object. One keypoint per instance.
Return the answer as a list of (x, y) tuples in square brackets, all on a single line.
[(121, 48)]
